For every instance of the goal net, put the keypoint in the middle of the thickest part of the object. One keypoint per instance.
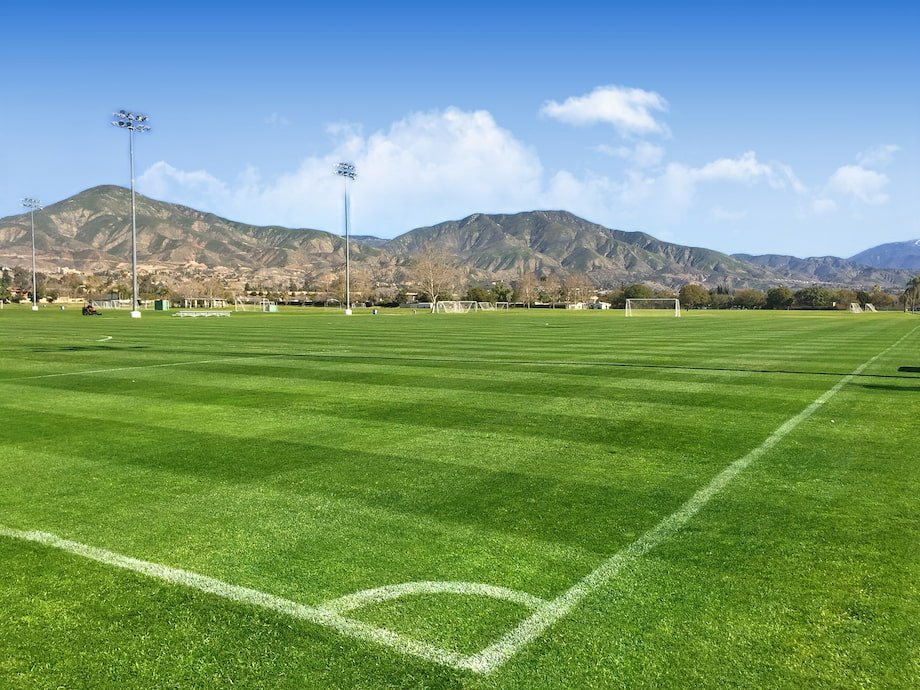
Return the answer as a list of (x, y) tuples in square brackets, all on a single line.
[(253, 304), (855, 308), (669, 306), (448, 306)]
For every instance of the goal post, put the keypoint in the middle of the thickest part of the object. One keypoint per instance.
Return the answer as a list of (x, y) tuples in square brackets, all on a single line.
[(663, 306)]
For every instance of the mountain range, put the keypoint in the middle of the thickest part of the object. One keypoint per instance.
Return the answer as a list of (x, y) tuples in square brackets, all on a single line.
[(891, 255), (91, 232)]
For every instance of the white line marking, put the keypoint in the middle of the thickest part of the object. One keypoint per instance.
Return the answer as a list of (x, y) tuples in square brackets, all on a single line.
[(141, 366), (104, 338), (156, 366), (492, 657), (367, 597), (311, 614), (530, 628)]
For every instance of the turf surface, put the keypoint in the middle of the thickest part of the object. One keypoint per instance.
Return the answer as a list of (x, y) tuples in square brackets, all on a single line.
[(310, 456)]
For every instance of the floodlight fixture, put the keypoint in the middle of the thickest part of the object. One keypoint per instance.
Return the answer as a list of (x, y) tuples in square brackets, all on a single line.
[(347, 172), (33, 205), (133, 122)]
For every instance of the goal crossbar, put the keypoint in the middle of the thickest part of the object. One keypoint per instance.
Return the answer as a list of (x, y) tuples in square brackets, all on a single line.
[(657, 303)]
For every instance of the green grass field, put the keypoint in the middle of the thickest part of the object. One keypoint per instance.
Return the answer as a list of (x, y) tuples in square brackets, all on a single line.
[(553, 458)]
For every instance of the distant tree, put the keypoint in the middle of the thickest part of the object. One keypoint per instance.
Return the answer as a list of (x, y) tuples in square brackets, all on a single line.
[(911, 296), (526, 288), (550, 287), (637, 291), (576, 287), (478, 294), (93, 285), (881, 299), (750, 299), (844, 297), (779, 298), (615, 298), (814, 296), (432, 271), (692, 296), (502, 292), (720, 300), (863, 297), (22, 278)]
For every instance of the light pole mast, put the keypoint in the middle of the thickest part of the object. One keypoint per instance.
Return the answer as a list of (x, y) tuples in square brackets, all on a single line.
[(133, 122), (33, 205), (347, 171)]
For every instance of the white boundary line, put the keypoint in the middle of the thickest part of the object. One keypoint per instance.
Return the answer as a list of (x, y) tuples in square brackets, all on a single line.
[(141, 366), (311, 614), (104, 339), (530, 628), (546, 613)]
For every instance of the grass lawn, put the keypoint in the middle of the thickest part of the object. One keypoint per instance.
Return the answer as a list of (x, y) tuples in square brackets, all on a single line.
[(307, 456)]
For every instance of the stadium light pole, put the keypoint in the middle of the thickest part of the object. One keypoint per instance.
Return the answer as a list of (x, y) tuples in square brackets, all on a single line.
[(33, 205), (347, 172), (133, 122)]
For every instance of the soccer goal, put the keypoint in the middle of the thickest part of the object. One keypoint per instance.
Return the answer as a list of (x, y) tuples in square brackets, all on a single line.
[(449, 306), (254, 304), (855, 308), (662, 306)]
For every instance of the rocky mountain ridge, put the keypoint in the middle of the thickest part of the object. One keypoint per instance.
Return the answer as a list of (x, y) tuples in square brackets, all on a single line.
[(91, 232)]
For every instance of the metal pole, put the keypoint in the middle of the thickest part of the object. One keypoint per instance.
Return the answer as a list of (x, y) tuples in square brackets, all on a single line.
[(133, 122), (347, 251), (347, 171), (34, 279), (135, 305), (33, 205)]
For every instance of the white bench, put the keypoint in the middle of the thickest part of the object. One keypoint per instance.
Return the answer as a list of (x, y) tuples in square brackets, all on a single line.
[(202, 313)]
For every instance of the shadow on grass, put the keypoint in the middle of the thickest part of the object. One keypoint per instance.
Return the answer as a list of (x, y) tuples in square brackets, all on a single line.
[(591, 516), (889, 387), (89, 348), (480, 363)]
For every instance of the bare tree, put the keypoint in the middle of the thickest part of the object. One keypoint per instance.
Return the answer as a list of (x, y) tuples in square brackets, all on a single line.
[(526, 288), (576, 287), (911, 296), (432, 271)]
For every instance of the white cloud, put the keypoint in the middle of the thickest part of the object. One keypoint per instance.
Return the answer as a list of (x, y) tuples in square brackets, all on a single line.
[(276, 120), (426, 167), (877, 157), (433, 166), (161, 178), (823, 206), (746, 168), (630, 111), (642, 155), (859, 183), (723, 214)]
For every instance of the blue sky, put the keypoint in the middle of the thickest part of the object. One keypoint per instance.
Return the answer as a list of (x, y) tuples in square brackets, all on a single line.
[(758, 129)]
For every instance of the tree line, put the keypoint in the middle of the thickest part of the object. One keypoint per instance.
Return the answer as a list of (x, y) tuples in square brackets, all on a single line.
[(431, 276)]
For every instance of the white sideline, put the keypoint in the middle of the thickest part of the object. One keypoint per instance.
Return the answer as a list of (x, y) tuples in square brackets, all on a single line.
[(530, 628), (103, 339), (105, 371), (311, 614), (546, 613)]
